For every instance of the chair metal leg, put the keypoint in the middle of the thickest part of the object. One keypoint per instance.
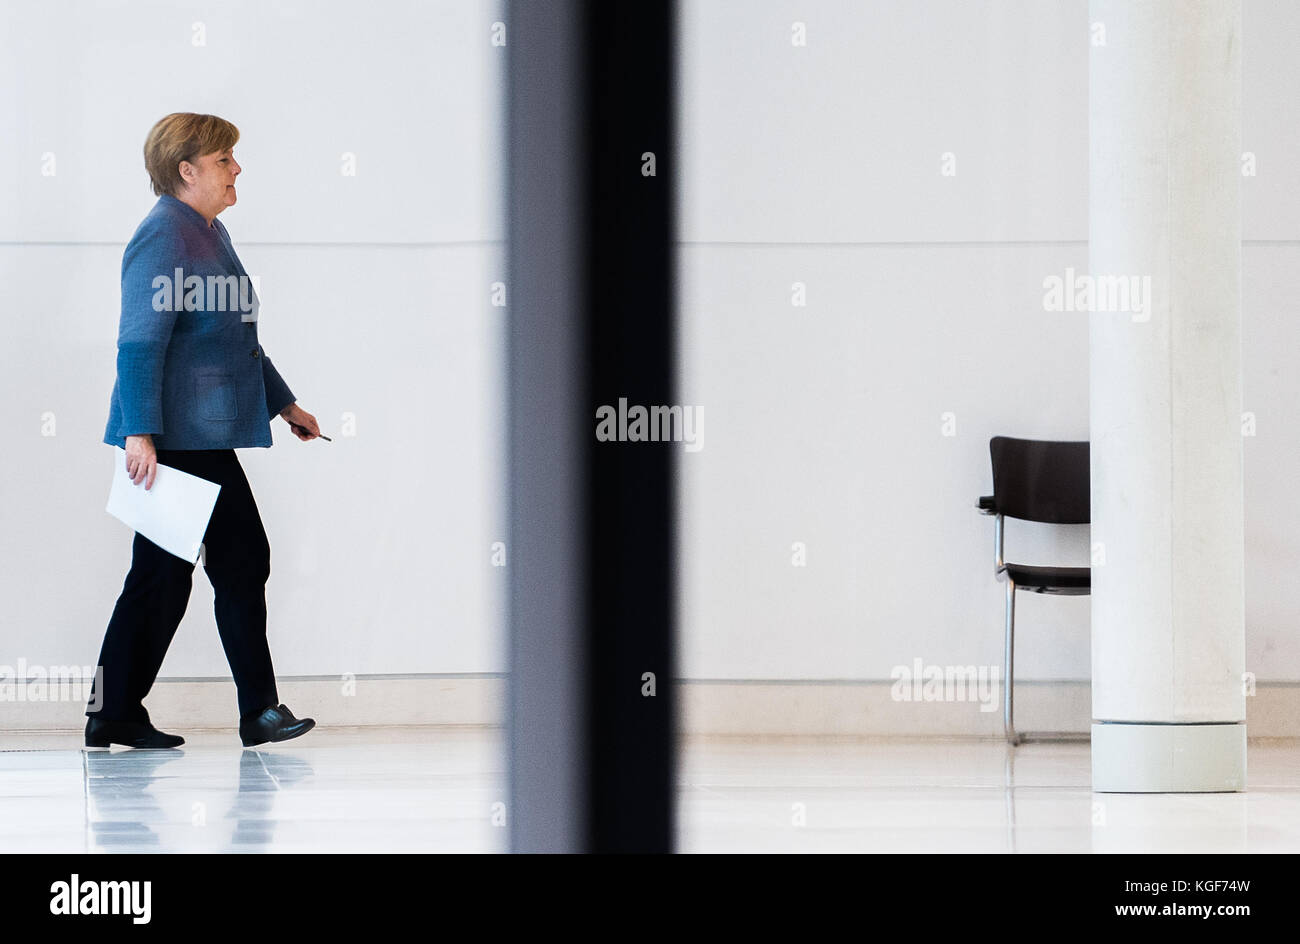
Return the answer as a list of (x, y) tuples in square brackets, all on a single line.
[(1009, 682)]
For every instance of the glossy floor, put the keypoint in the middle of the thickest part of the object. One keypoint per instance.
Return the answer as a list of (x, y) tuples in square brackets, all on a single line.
[(444, 789)]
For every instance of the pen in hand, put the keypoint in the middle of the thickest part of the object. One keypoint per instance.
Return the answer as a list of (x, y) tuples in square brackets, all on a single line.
[(305, 431)]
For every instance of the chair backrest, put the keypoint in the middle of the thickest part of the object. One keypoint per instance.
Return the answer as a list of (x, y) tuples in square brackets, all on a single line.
[(1041, 480)]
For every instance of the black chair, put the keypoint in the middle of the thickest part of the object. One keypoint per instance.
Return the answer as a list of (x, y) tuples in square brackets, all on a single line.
[(1035, 480)]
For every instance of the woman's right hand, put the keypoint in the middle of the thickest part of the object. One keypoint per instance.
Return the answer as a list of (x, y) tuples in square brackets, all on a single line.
[(141, 460)]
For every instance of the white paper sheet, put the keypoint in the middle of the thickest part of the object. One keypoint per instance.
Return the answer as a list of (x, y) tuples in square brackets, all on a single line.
[(173, 513)]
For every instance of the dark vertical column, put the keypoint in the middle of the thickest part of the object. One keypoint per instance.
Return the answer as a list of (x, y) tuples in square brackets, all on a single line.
[(548, 431), (630, 338), (590, 553)]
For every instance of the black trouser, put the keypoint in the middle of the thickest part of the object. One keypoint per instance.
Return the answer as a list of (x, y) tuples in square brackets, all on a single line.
[(157, 590)]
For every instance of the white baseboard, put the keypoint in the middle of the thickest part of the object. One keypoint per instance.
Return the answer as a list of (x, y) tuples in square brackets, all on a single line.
[(866, 708), (369, 700), (707, 707)]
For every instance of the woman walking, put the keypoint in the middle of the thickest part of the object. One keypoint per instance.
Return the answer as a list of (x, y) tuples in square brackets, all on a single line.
[(193, 385)]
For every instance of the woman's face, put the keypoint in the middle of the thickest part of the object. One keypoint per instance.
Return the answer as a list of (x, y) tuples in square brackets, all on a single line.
[(210, 181)]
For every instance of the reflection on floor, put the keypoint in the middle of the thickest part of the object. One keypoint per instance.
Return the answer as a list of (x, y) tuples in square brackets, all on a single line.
[(798, 795), (444, 789), (333, 790)]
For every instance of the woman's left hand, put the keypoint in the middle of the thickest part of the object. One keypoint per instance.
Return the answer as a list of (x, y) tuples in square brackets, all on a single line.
[(301, 422)]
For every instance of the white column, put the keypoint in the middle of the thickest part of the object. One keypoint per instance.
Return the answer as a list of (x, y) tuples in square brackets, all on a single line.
[(1168, 620)]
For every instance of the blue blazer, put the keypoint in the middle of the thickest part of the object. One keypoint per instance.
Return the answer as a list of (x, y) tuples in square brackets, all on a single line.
[(190, 370)]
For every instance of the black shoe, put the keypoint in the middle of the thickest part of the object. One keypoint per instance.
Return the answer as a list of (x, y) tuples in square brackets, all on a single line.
[(276, 723), (102, 733)]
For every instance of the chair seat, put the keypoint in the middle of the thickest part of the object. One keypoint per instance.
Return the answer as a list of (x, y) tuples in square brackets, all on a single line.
[(1063, 581)]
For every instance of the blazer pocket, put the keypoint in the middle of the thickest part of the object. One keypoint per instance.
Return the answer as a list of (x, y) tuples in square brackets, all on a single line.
[(215, 394)]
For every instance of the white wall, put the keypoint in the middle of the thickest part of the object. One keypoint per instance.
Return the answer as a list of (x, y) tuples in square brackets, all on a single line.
[(821, 165), (817, 164), (376, 291)]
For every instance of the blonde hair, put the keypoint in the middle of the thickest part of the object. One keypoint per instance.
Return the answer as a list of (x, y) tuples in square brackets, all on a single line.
[(183, 136)]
